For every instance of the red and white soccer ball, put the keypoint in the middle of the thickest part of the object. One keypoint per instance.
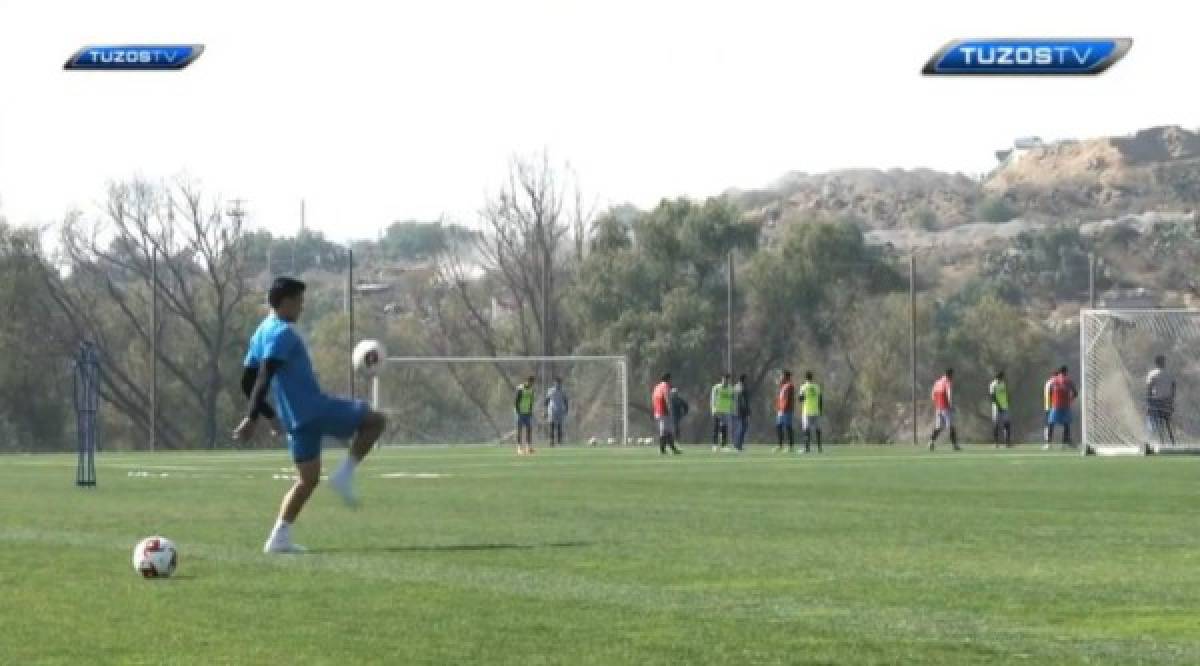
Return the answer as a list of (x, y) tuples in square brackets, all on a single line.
[(155, 557), (368, 357)]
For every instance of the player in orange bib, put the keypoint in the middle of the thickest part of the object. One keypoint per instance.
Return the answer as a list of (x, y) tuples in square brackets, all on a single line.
[(1062, 395), (660, 402), (943, 405)]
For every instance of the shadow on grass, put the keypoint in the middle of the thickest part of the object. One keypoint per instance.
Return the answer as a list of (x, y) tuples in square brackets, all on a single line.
[(451, 548)]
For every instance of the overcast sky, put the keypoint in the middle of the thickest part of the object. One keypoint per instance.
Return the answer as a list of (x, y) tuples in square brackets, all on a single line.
[(376, 111)]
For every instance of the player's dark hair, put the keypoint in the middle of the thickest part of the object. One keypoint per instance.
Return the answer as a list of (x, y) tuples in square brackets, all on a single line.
[(949, 372), (742, 378), (1062, 370), (1160, 360), (666, 377), (808, 375), (999, 374), (283, 288), (787, 374)]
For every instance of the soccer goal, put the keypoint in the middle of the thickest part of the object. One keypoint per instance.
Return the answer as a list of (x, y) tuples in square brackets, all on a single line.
[(470, 400), (1117, 349)]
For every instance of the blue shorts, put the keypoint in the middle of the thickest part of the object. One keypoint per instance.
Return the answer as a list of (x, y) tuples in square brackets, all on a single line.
[(1059, 416), (340, 419), (783, 419), (525, 420)]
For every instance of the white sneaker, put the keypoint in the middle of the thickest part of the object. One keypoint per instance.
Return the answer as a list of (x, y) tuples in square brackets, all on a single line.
[(716, 448), (280, 543), (1046, 446), (343, 484)]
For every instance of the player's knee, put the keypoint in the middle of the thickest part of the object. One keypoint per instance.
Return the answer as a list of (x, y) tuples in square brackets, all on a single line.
[(374, 423)]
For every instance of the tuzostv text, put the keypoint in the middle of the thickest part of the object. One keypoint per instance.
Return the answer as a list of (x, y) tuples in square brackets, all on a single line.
[(1028, 56)]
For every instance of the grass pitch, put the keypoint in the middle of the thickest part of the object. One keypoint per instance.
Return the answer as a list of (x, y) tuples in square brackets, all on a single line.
[(863, 555)]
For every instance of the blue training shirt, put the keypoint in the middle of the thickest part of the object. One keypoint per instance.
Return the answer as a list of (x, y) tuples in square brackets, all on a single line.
[(298, 397)]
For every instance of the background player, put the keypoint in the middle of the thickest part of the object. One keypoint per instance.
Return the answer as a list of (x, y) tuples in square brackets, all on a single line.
[(524, 409), (556, 410), (1062, 395), (1046, 407), (943, 405), (720, 402), (660, 402), (1160, 401), (785, 407), (812, 405), (679, 409), (998, 393), (277, 358)]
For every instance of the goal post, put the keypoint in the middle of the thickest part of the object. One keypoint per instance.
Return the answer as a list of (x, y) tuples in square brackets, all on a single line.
[(470, 399), (1117, 350)]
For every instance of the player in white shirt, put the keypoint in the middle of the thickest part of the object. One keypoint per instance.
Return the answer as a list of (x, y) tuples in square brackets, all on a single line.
[(1160, 401)]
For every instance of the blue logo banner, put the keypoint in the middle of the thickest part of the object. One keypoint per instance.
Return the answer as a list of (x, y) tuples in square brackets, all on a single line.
[(126, 57), (1028, 56)]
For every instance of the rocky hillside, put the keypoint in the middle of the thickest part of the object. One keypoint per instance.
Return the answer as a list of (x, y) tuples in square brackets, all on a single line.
[(1156, 169)]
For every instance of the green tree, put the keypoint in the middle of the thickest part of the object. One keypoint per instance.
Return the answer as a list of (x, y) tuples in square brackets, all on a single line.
[(995, 209)]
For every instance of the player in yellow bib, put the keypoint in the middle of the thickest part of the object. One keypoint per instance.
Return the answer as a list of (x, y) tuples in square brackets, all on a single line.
[(998, 392), (812, 405)]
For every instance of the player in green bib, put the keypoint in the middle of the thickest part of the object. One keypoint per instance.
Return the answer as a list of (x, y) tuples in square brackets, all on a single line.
[(812, 405), (998, 392)]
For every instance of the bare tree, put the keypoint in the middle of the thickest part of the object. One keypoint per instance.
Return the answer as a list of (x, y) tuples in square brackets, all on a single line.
[(529, 235), (152, 239)]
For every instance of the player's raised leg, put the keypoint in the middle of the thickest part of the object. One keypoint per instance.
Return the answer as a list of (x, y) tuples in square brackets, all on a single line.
[(366, 425)]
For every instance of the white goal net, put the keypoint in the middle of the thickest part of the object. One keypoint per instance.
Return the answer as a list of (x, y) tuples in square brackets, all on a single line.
[(471, 400), (1118, 349)]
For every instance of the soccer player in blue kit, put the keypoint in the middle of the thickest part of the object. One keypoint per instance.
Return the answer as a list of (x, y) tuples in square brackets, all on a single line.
[(277, 358)]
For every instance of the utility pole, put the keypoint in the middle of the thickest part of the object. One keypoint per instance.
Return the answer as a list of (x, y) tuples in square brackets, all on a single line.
[(912, 334), (154, 341), (238, 213), (1092, 280), (729, 318), (296, 238), (349, 308)]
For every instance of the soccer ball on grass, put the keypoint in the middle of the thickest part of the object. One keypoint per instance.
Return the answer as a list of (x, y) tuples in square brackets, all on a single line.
[(155, 557)]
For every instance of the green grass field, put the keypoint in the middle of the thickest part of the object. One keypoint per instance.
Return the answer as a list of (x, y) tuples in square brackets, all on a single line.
[(864, 555)]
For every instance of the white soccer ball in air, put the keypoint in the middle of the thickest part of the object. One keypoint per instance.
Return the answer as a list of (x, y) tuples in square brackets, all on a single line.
[(368, 357), (155, 557)]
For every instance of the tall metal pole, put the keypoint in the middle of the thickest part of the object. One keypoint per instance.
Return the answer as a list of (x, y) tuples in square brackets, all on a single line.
[(1092, 280), (350, 309), (153, 349), (912, 335), (729, 319)]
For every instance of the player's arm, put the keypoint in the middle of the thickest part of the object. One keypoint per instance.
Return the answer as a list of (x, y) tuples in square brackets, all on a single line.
[(517, 401), (821, 403), (258, 392), (992, 395), (567, 404), (257, 399), (249, 379)]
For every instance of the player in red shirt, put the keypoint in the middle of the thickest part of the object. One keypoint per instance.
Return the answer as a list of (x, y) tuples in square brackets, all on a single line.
[(660, 402), (785, 407), (1062, 395), (943, 405)]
